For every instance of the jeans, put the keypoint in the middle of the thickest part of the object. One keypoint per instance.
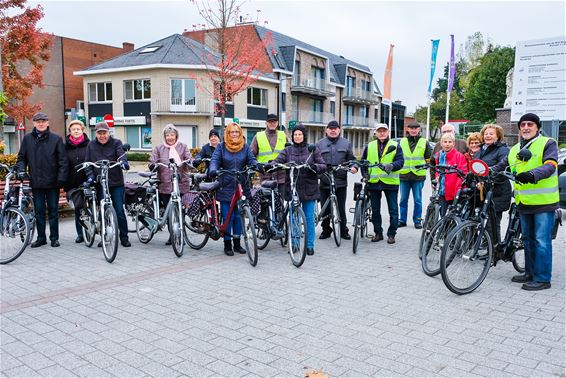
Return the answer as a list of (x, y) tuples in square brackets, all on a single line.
[(375, 199), (234, 223), (308, 209), (40, 198), (117, 195), (341, 194), (417, 188), (537, 241)]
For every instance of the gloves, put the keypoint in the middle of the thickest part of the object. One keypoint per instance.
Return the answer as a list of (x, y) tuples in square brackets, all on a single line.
[(388, 168), (124, 165), (267, 167), (196, 162), (525, 178), (21, 176), (213, 174), (260, 167)]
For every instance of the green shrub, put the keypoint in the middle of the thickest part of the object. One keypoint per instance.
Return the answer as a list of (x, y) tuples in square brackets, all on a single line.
[(9, 160), (138, 156)]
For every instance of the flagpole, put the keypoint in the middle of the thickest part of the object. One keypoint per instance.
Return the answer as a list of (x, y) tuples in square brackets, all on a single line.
[(428, 120), (447, 106)]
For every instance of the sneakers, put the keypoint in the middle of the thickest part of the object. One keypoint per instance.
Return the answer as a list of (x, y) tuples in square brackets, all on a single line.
[(377, 237), (535, 286), (38, 243), (521, 278), (391, 240), (325, 235)]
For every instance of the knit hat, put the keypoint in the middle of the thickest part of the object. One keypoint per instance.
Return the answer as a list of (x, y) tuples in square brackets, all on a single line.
[(213, 132), (300, 127), (530, 117)]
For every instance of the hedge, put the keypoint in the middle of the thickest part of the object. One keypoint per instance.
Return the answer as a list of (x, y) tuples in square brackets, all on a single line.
[(9, 159)]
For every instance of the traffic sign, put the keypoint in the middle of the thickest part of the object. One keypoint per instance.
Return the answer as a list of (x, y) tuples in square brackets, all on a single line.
[(21, 126), (109, 120), (292, 124), (236, 120)]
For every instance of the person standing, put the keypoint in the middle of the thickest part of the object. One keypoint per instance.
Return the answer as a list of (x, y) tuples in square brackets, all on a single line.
[(335, 150), (267, 145), (208, 149), (384, 181), (43, 152), (416, 151), (75, 146), (474, 142), (448, 184), (459, 145), (105, 147)]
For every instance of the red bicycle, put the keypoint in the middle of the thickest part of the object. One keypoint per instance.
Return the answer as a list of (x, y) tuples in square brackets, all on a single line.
[(201, 215)]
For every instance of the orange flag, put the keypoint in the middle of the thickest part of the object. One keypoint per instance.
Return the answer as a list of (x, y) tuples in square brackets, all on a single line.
[(387, 78)]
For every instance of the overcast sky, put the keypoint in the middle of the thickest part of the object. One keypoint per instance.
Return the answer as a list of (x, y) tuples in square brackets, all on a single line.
[(360, 31)]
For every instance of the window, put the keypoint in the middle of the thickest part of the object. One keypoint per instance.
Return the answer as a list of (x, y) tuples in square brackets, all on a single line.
[(318, 77), (333, 108), (283, 102), (350, 84), (183, 94), (137, 90), (139, 136), (100, 92), (349, 116), (150, 49), (257, 97)]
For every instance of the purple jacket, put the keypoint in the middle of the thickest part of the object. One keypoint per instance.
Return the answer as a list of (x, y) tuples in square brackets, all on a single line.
[(160, 154)]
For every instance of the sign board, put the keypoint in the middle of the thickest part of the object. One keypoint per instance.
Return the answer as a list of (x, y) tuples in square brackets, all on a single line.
[(292, 124), (21, 126), (539, 79), (109, 120), (237, 120)]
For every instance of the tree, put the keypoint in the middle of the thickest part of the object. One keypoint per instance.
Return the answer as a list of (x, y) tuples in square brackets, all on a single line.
[(3, 102), (23, 49), (239, 61), (487, 85)]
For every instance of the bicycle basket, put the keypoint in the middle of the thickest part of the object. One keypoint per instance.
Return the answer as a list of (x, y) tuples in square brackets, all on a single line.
[(194, 200), (75, 198), (14, 193), (255, 201), (134, 193)]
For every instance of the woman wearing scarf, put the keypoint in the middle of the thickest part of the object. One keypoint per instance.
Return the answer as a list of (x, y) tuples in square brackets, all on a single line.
[(233, 153), (171, 148), (307, 184), (75, 145)]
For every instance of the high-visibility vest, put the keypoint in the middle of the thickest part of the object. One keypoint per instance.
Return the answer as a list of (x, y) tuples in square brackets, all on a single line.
[(545, 191), (377, 174), (265, 153), (412, 159)]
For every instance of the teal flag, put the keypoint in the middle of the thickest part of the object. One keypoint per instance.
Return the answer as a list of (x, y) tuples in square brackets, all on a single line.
[(435, 43)]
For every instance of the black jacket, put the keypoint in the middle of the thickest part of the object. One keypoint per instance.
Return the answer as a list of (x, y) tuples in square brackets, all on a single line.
[(335, 152), (44, 155), (75, 155), (493, 155), (111, 150), (205, 152)]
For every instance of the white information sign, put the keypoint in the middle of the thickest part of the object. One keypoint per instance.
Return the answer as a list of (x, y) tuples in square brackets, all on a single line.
[(539, 79)]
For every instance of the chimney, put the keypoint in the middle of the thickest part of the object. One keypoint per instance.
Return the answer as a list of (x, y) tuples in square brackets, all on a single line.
[(127, 46)]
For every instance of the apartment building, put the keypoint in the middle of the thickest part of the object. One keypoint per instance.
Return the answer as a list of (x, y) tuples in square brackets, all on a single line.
[(169, 81)]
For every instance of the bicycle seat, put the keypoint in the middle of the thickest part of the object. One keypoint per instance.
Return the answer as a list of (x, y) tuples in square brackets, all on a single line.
[(200, 176), (269, 184), (147, 174), (209, 186)]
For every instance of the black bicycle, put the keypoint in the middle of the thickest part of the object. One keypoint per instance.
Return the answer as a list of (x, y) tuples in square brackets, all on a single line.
[(362, 209)]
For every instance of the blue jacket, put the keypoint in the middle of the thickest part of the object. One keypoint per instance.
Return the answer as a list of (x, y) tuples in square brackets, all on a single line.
[(224, 159)]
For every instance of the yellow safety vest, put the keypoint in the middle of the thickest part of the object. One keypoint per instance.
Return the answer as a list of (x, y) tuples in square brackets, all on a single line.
[(412, 159), (377, 174), (265, 153), (544, 192)]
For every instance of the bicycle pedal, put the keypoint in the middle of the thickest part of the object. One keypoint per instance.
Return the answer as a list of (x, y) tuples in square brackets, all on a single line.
[(352, 210)]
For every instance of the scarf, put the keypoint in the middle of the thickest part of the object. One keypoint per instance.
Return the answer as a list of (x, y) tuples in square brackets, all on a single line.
[(173, 154), (76, 141), (231, 145)]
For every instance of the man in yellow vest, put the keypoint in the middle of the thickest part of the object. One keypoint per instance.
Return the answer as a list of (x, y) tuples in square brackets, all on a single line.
[(416, 151), (267, 145), (537, 198), (383, 181)]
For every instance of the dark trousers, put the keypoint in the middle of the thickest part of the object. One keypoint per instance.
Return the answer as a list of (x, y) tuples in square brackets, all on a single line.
[(341, 199), (117, 195), (495, 236), (40, 198), (78, 225), (375, 199)]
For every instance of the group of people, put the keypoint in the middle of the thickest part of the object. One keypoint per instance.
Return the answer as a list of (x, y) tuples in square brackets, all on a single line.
[(53, 164)]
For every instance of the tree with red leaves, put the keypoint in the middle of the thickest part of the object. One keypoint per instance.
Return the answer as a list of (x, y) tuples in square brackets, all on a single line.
[(238, 60), (24, 48)]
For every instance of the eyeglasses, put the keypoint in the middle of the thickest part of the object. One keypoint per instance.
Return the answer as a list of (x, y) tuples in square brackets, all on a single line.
[(527, 124)]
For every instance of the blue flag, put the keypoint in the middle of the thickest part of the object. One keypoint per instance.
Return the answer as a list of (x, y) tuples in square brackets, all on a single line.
[(435, 43)]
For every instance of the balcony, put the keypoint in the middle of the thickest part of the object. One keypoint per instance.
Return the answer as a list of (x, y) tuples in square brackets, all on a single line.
[(193, 106), (356, 121), (360, 96), (312, 86), (308, 117)]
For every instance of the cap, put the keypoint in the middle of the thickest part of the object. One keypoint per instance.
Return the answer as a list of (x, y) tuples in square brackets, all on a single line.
[(530, 117), (381, 126), (213, 132), (40, 116), (76, 122), (414, 124), (333, 125), (272, 117), (101, 126)]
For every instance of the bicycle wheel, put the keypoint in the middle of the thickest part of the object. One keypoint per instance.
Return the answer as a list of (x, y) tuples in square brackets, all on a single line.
[(434, 243), (176, 229), (195, 229), (249, 234), (358, 220), (14, 235), (518, 258), (262, 235), (432, 215), (466, 257), (297, 236), (335, 222), (109, 233), (143, 227), (285, 239), (88, 225)]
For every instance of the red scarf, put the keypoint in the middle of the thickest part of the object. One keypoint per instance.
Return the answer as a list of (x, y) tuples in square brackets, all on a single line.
[(78, 140)]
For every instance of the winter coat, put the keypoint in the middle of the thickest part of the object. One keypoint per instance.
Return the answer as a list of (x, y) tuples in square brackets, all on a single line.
[(335, 152), (46, 159), (160, 154), (224, 159), (205, 152), (75, 155), (307, 184), (502, 191), (111, 150), (452, 181)]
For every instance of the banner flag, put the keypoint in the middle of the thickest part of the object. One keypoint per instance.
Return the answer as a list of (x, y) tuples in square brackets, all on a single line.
[(435, 43), (452, 65), (387, 78)]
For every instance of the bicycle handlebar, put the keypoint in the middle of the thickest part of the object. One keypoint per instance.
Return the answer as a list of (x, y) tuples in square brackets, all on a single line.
[(98, 164)]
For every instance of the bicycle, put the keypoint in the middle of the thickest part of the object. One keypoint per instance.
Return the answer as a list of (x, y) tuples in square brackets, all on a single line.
[(469, 246), (270, 213), (107, 225), (15, 228), (362, 209), (432, 212), (201, 218), (149, 218)]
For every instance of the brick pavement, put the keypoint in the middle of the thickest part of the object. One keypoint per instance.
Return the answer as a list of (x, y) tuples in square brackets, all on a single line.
[(66, 312)]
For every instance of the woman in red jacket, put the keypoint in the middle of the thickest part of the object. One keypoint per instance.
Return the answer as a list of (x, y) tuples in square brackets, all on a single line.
[(451, 182)]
